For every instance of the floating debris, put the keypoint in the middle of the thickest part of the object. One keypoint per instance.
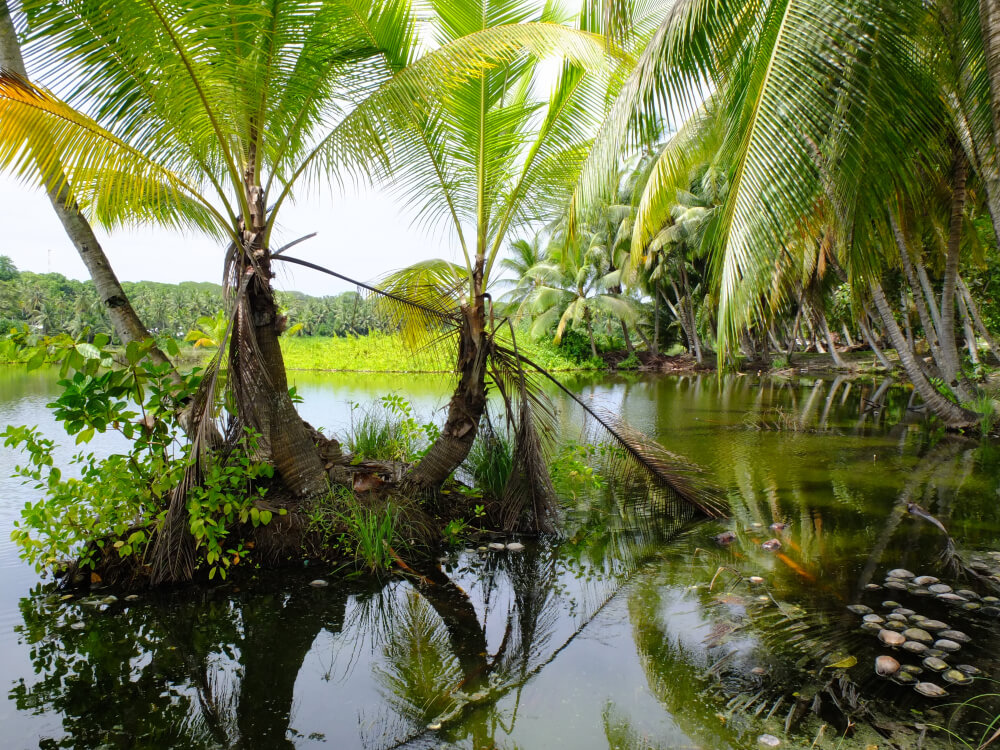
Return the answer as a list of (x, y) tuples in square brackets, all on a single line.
[(886, 666), (956, 677), (935, 664), (930, 690), (891, 638), (903, 677), (919, 635), (944, 644)]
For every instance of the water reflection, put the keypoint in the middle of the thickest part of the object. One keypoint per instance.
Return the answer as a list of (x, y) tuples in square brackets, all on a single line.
[(526, 649), (249, 666)]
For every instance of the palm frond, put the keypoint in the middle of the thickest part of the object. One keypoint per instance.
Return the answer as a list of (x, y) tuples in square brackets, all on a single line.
[(657, 480), (44, 140)]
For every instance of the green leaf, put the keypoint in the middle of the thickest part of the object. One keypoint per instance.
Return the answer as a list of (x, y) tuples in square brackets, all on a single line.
[(132, 352), (845, 663), (88, 350), (36, 360)]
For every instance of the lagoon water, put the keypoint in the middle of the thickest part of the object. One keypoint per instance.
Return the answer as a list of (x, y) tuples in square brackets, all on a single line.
[(625, 632)]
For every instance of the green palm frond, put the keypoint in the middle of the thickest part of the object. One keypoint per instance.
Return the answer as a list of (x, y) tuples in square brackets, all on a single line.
[(43, 139)]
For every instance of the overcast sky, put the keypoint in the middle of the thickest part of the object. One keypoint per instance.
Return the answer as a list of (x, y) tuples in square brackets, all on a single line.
[(362, 235)]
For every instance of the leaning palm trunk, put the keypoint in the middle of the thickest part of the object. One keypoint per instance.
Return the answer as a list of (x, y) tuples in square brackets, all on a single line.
[(950, 413), (989, 18), (466, 407), (124, 320), (926, 322), (977, 318)]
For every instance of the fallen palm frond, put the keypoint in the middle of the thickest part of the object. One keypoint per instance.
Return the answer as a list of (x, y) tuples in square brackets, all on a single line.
[(173, 552), (673, 479)]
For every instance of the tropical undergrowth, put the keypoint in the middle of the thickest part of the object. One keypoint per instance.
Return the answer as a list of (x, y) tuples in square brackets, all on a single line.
[(104, 511)]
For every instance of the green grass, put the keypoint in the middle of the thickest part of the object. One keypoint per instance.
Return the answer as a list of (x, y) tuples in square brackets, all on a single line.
[(376, 352), (379, 352)]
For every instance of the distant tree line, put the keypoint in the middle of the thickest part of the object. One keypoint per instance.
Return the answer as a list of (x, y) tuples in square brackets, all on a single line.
[(51, 303)]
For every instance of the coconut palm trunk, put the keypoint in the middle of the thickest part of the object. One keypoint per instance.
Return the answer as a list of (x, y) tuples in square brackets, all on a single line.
[(926, 322), (950, 413), (949, 364), (467, 405), (977, 318), (258, 366)]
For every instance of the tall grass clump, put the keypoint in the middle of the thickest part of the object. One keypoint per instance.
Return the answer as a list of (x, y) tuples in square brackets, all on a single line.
[(388, 431), (490, 462), (372, 533)]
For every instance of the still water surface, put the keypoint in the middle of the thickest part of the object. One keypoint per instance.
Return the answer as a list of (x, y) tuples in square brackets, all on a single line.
[(626, 633)]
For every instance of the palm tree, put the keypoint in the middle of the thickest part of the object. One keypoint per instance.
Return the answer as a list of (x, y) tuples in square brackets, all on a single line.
[(209, 116), (818, 100), (126, 323), (490, 158), (576, 284), (525, 255)]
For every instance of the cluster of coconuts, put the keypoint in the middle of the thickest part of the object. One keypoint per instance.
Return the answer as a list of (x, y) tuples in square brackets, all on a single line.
[(931, 640)]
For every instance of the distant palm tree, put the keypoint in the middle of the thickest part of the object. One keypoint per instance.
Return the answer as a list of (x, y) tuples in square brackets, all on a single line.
[(576, 283)]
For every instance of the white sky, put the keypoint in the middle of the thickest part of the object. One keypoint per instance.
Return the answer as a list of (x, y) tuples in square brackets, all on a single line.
[(362, 234)]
